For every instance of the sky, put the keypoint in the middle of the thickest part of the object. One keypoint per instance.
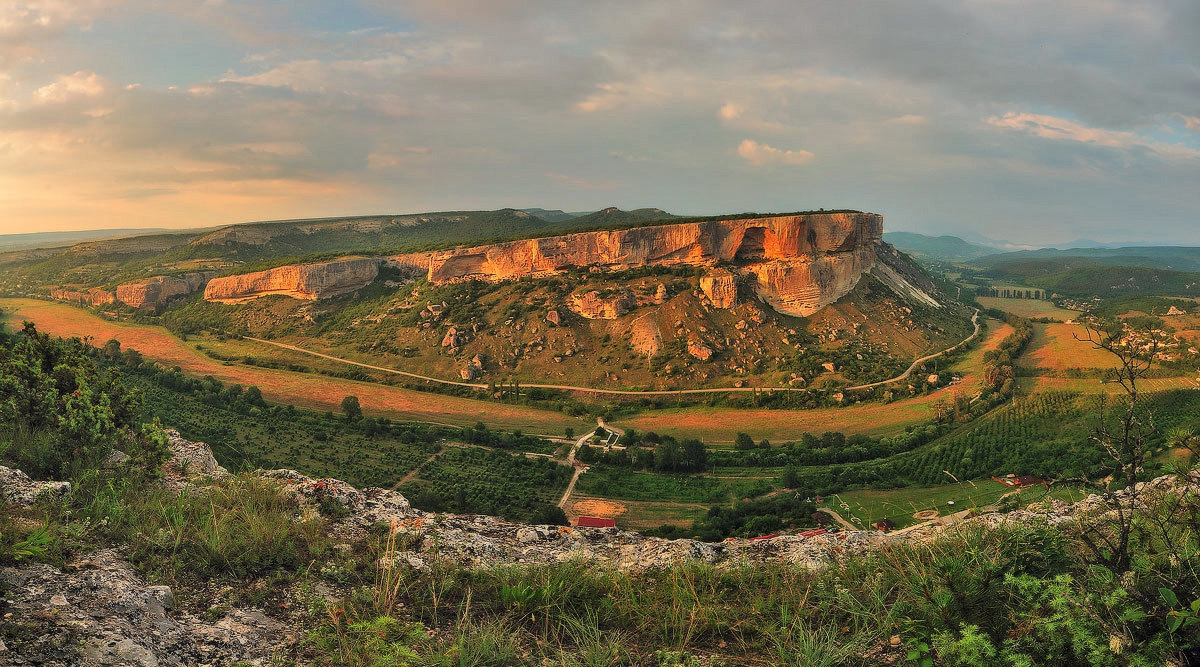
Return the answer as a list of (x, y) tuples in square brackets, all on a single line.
[(1036, 122)]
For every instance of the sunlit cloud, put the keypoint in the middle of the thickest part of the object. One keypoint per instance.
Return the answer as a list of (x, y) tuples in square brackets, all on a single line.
[(761, 154), (1053, 127)]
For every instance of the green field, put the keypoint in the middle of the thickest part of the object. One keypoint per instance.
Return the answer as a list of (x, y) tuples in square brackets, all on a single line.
[(1031, 308), (863, 507)]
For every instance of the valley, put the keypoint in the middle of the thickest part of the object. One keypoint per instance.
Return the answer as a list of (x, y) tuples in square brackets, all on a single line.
[(673, 331)]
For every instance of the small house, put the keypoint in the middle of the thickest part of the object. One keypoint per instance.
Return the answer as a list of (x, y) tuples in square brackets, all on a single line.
[(885, 525)]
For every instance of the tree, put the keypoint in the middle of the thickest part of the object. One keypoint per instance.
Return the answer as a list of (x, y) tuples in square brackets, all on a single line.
[(743, 442), (693, 455), (549, 515), (790, 478), (351, 408), (569, 432)]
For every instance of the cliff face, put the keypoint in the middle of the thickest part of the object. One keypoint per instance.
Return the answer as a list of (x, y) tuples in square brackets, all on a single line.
[(92, 297), (150, 293), (800, 263), (301, 281)]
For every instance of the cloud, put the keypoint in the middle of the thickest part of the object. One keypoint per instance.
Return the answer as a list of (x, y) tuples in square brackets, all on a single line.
[(761, 154), (729, 111), (71, 86), (1053, 127)]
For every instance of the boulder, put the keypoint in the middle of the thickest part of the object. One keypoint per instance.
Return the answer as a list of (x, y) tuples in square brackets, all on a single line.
[(699, 350), (553, 318), (607, 305)]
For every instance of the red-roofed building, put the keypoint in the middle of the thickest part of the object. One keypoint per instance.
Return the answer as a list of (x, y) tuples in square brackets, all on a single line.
[(596, 522)]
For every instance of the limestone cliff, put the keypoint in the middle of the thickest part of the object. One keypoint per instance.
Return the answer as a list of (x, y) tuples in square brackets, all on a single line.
[(93, 297), (150, 293), (800, 262), (321, 280)]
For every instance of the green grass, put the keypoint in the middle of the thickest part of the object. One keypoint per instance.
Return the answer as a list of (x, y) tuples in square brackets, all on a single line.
[(1030, 308), (623, 484), (863, 507)]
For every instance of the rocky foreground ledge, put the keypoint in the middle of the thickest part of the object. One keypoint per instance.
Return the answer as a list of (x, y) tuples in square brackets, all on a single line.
[(99, 611)]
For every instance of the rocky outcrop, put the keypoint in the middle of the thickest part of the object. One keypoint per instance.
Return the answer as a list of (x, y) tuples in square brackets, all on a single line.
[(18, 489), (150, 293), (93, 297), (699, 350), (607, 305), (720, 286), (322, 280), (100, 612), (645, 336), (800, 262)]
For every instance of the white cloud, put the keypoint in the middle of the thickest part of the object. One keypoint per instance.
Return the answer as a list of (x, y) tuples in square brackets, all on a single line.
[(1053, 127), (71, 86), (761, 154)]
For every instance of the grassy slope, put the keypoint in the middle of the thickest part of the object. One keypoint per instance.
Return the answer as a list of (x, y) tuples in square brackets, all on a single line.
[(302, 389)]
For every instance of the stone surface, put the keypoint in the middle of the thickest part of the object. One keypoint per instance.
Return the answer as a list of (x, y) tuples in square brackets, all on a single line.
[(322, 280), (699, 350), (92, 297), (800, 262), (150, 293), (595, 305), (17, 488), (645, 336), (720, 286), (100, 612)]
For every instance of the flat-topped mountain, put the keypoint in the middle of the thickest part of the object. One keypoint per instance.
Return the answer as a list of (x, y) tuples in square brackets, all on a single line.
[(797, 263)]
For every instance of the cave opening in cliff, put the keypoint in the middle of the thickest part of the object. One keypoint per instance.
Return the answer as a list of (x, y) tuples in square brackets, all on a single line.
[(757, 243)]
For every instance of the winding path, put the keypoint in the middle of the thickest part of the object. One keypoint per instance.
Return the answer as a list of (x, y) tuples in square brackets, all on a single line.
[(622, 392)]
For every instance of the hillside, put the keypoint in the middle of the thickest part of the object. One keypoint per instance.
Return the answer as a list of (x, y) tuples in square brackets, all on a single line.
[(1078, 276), (303, 570), (937, 248), (785, 300)]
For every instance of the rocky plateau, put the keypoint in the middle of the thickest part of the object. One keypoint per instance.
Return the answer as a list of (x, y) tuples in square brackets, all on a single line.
[(797, 263)]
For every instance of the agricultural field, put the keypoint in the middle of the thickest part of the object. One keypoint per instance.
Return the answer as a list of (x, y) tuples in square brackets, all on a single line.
[(488, 481), (863, 507), (302, 389), (623, 484), (1054, 347), (637, 515), (1030, 308)]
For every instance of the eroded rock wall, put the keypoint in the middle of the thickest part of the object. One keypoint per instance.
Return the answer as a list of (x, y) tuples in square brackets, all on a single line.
[(93, 297), (150, 293), (800, 262), (321, 280)]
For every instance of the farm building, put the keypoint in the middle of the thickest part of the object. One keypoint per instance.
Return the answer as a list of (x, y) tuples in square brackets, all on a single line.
[(885, 525)]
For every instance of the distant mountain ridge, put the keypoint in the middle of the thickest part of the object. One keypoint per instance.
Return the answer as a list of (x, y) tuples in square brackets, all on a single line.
[(939, 248), (32, 240)]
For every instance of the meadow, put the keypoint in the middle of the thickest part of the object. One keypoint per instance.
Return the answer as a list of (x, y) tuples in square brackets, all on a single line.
[(1055, 347), (307, 390), (1030, 308), (863, 507)]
